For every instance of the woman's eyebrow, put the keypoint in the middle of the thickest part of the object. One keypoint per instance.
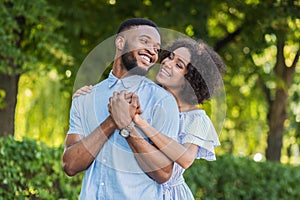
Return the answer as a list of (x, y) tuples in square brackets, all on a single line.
[(181, 60)]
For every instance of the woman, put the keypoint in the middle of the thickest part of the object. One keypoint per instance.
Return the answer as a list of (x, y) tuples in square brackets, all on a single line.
[(191, 72)]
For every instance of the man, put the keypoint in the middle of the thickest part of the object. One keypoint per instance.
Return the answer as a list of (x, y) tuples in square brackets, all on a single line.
[(117, 164)]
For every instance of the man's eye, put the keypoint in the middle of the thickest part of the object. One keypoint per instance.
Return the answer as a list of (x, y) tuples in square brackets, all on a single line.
[(157, 50), (144, 41), (171, 56)]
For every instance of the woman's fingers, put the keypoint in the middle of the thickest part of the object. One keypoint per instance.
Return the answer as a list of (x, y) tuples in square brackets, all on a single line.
[(82, 91)]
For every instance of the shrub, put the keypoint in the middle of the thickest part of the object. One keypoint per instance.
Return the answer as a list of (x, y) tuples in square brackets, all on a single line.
[(31, 170), (241, 178)]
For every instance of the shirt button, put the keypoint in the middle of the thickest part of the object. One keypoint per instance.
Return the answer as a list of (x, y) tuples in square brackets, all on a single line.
[(104, 160), (101, 183)]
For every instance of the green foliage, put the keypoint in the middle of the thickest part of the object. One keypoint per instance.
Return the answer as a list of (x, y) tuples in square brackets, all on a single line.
[(243, 32), (31, 170), (28, 37), (41, 96), (241, 178), (2, 96)]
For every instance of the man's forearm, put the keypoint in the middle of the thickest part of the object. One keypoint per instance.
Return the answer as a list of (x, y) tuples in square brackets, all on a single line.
[(80, 153)]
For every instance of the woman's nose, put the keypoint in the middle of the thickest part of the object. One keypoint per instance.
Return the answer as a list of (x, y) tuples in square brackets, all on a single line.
[(168, 63)]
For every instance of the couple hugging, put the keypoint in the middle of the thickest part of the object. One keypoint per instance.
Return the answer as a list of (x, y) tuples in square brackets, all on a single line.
[(134, 138)]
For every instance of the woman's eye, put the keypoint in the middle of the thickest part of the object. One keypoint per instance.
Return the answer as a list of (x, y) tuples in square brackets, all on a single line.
[(179, 65)]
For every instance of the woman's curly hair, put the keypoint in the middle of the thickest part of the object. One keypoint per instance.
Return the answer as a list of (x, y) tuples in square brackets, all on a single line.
[(204, 72)]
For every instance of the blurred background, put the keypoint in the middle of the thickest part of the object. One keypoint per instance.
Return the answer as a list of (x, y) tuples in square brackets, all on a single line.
[(43, 44)]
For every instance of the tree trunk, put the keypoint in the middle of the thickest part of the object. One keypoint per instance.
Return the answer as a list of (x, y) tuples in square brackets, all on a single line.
[(8, 83), (276, 118), (277, 107)]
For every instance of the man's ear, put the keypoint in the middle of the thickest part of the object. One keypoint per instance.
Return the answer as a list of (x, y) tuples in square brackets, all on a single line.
[(120, 42)]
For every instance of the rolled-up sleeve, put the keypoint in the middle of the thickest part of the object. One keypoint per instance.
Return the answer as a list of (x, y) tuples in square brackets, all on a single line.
[(75, 125)]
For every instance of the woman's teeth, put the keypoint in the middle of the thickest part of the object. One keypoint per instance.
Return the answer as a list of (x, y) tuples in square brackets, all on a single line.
[(165, 72)]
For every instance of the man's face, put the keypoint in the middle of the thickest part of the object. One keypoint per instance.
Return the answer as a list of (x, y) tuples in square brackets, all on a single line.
[(142, 44)]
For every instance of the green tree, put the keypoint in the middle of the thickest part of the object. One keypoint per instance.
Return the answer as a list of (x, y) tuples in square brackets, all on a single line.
[(242, 32), (259, 41), (28, 42), (256, 30)]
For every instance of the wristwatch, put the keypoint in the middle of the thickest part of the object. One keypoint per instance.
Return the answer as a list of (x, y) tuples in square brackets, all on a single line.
[(125, 132)]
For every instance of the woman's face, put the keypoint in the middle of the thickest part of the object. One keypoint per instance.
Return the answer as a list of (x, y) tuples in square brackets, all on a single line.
[(173, 68)]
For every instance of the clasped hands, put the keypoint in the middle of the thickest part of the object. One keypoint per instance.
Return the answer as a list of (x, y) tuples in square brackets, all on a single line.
[(124, 107)]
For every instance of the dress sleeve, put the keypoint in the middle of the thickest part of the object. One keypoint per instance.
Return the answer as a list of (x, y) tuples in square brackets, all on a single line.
[(199, 130)]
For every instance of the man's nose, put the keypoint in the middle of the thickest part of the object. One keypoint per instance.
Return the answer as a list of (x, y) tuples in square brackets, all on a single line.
[(152, 50)]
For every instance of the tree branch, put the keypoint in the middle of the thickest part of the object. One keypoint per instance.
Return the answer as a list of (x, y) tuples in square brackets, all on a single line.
[(296, 59), (227, 39)]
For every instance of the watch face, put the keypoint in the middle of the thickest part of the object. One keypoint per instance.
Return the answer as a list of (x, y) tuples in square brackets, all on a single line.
[(124, 133)]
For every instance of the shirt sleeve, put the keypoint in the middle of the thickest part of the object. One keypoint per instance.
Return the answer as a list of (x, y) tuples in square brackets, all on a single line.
[(166, 117), (200, 131), (75, 125)]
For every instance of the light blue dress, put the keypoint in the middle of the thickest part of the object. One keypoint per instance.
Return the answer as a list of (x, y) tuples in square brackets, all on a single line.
[(196, 128)]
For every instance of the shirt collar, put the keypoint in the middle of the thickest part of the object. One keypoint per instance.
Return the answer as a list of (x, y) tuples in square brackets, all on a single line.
[(127, 82), (132, 81), (112, 80)]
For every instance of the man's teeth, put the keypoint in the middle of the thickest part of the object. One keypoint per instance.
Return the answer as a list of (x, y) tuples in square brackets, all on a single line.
[(147, 59), (165, 72)]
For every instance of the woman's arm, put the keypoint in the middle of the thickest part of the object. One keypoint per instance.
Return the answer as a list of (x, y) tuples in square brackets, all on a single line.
[(153, 162), (182, 154)]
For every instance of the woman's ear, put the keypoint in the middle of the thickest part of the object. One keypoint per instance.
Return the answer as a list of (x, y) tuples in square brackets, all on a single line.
[(120, 41)]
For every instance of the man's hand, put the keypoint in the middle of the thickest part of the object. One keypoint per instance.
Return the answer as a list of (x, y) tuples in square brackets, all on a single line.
[(123, 107)]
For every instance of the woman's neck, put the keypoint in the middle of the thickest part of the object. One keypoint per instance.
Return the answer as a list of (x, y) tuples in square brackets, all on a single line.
[(182, 105), (185, 107)]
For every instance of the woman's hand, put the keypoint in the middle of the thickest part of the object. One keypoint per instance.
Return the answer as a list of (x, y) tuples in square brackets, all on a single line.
[(136, 103), (140, 121), (82, 91)]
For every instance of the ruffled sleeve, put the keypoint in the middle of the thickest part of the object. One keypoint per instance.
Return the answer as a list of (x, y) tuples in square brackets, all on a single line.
[(197, 128)]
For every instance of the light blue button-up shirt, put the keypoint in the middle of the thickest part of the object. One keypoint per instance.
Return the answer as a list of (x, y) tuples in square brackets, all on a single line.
[(115, 174)]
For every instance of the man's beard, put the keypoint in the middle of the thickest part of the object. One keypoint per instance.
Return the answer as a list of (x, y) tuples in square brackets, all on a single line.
[(130, 62)]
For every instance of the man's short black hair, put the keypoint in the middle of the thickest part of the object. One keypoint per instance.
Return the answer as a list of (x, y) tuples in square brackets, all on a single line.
[(127, 24)]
